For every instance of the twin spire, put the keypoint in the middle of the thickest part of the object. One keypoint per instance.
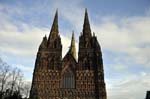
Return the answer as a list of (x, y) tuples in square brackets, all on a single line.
[(54, 29), (86, 26), (54, 33)]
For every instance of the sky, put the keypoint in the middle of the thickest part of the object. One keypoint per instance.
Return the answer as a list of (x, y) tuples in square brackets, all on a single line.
[(121, 26)]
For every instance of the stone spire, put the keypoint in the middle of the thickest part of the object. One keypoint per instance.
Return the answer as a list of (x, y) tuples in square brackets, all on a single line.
[(72, 49), (86, 25), (54, 29)]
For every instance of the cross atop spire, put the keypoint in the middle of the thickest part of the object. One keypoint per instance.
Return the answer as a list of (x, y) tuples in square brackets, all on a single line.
[(54, 29), (86, 25), (72, 49)]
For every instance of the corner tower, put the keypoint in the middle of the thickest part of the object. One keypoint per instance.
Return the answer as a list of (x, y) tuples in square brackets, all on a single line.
[(86, 48), (54, 46), (90, 58), (48, 64)]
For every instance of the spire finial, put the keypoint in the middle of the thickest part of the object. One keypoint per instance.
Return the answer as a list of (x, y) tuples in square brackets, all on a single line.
[(86, 10), (72, 46), (86, 25), (56, 9), (54, 30)]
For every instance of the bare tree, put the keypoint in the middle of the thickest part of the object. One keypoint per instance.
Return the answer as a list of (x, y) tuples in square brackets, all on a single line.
[(15, 74), (26, 88), (12, 82), (4, 75), (20, 82)]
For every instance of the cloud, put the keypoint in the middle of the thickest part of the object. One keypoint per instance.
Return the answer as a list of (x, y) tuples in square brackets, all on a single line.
[(19, 39), (126, 36), (24, 42), (127, 41), (66, 44), (118, 67), (131, 87)]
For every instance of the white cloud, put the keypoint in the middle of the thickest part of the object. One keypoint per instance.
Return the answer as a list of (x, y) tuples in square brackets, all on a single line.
[(128, 36), (132, 87), (20, 42), (66, 44), (118, 66), (119, 35), (25, 42)]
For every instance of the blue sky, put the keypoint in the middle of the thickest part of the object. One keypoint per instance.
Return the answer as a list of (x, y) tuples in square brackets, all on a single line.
[(121, 26)]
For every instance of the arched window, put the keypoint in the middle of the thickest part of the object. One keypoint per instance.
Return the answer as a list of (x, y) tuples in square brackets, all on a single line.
[(68, 80)]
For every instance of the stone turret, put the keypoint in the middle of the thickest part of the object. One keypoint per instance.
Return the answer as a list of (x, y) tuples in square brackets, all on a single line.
[(43, 45)]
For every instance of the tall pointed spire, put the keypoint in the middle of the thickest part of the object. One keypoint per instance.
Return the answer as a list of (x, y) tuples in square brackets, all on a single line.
[(86, 25), (72, 49), (54, 29)]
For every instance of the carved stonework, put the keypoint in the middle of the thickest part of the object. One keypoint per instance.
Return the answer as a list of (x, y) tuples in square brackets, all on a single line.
[(69, 78)]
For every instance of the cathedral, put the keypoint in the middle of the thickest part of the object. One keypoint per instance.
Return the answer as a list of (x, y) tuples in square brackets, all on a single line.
[(57, 77)]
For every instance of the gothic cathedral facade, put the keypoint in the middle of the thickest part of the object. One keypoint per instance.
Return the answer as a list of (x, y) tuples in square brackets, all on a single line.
[(55, 77)]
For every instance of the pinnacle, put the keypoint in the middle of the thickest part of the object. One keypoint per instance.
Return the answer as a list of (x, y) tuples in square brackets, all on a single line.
[(43, 44), (72, 46)]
